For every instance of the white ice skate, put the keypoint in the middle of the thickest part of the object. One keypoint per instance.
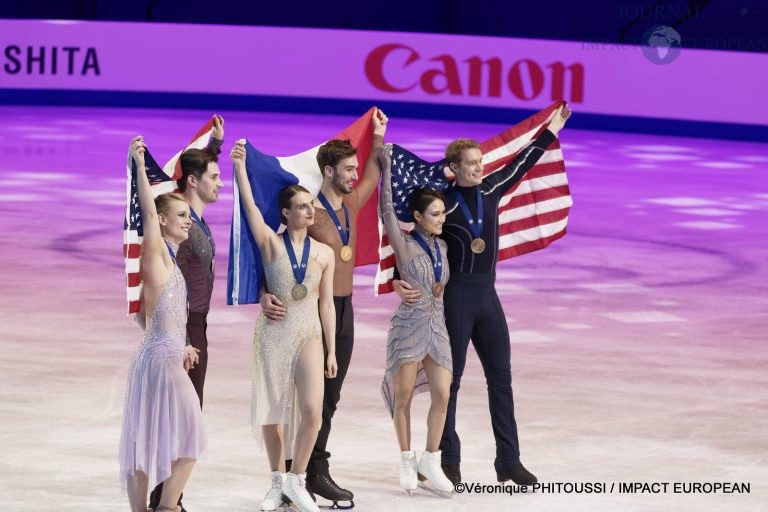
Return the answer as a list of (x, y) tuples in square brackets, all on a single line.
[(295, 489), (273, 499), (431, 475), (408, 479)]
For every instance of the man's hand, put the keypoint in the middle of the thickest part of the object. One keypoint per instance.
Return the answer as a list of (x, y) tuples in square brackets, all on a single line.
[(272, 307), (238, 153), (379, 121), (405, 291), (558, 120), (218, 127)]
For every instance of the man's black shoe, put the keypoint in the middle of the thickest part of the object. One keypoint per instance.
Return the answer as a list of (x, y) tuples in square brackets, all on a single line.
[(517, 474), (324, 486), (453, 472)]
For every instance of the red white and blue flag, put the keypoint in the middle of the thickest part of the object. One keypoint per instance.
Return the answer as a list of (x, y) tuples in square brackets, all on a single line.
[(268, 175), (532, 214), (161, 180)]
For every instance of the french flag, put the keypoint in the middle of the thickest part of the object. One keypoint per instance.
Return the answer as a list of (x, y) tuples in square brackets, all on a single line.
[(268, 175)]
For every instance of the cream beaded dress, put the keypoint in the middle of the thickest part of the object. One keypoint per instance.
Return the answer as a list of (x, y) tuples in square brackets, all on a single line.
[(277, 345)]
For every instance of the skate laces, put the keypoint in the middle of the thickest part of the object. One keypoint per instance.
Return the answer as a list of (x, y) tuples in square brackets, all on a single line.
[(275, 492), (299, 482)]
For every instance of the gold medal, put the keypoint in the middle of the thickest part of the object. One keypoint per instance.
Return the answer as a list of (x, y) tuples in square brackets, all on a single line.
[(345, 253), (299, 291), (477, 245), (437, 289)]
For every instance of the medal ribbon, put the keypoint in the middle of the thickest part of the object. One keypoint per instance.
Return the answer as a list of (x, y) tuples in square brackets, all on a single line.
[(437, 262), (170, 251), (475, 225), (299, 271), (344, 233), (204, 226)]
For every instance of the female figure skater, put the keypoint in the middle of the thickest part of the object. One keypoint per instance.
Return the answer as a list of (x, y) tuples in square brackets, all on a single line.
[(287, 398), (418, 349), (162, 434)]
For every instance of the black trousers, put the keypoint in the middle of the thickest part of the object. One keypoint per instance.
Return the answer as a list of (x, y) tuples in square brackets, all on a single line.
[(345, 340), (197, 330), (473, 311)]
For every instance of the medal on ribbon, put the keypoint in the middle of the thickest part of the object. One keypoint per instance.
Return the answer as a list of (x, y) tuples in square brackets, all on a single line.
[(346, 251), (475, 224), (299, 291), (437, 261)]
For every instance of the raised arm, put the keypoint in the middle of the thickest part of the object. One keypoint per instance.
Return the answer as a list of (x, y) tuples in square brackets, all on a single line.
[(264, 235), (153, 261), (372, 171), (328, 311), (217, 135), (501, 181), (397, 238)]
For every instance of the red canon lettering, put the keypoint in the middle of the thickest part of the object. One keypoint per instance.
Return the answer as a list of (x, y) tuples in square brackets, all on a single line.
[(526, 79), (374, 66)]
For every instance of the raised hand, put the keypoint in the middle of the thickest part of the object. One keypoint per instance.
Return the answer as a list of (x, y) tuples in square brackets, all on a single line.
[(379, 121), (218, 127), (558, 120), (137, 150), (238, 153)]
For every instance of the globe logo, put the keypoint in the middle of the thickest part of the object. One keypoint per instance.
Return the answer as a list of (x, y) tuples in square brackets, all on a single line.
[(661, 44)]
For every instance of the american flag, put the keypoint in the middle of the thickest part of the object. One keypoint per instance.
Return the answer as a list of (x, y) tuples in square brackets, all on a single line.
[(162, 180), (532, 214)]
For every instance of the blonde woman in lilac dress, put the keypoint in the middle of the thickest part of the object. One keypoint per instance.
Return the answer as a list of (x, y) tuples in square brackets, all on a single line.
[(162, 434)]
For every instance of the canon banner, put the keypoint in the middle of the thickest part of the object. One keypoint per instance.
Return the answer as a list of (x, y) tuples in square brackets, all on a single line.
[(598, 78)]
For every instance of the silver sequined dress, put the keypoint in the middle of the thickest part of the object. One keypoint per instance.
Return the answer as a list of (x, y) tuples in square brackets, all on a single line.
[(162, 420), (418, 330), (277, 345)]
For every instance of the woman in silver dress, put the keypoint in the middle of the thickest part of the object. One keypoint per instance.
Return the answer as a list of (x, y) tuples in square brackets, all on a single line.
[(287, 398), (418, 349)]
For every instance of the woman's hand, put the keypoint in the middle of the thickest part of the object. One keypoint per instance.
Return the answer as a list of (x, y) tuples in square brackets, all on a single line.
[(137, 151), (330, 365), (191, 357), (238, 154)]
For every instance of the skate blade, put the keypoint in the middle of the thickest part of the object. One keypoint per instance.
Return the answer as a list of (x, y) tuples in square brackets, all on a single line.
[(427, 486), (335, 506)]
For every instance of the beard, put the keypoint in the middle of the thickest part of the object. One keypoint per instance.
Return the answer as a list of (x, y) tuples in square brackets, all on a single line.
[(340, 185)]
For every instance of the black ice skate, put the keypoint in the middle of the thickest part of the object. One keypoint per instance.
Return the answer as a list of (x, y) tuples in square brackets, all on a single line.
[(325, 487)]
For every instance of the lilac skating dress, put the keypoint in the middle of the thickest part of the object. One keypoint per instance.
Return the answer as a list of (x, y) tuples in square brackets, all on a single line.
[(162, 420)]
